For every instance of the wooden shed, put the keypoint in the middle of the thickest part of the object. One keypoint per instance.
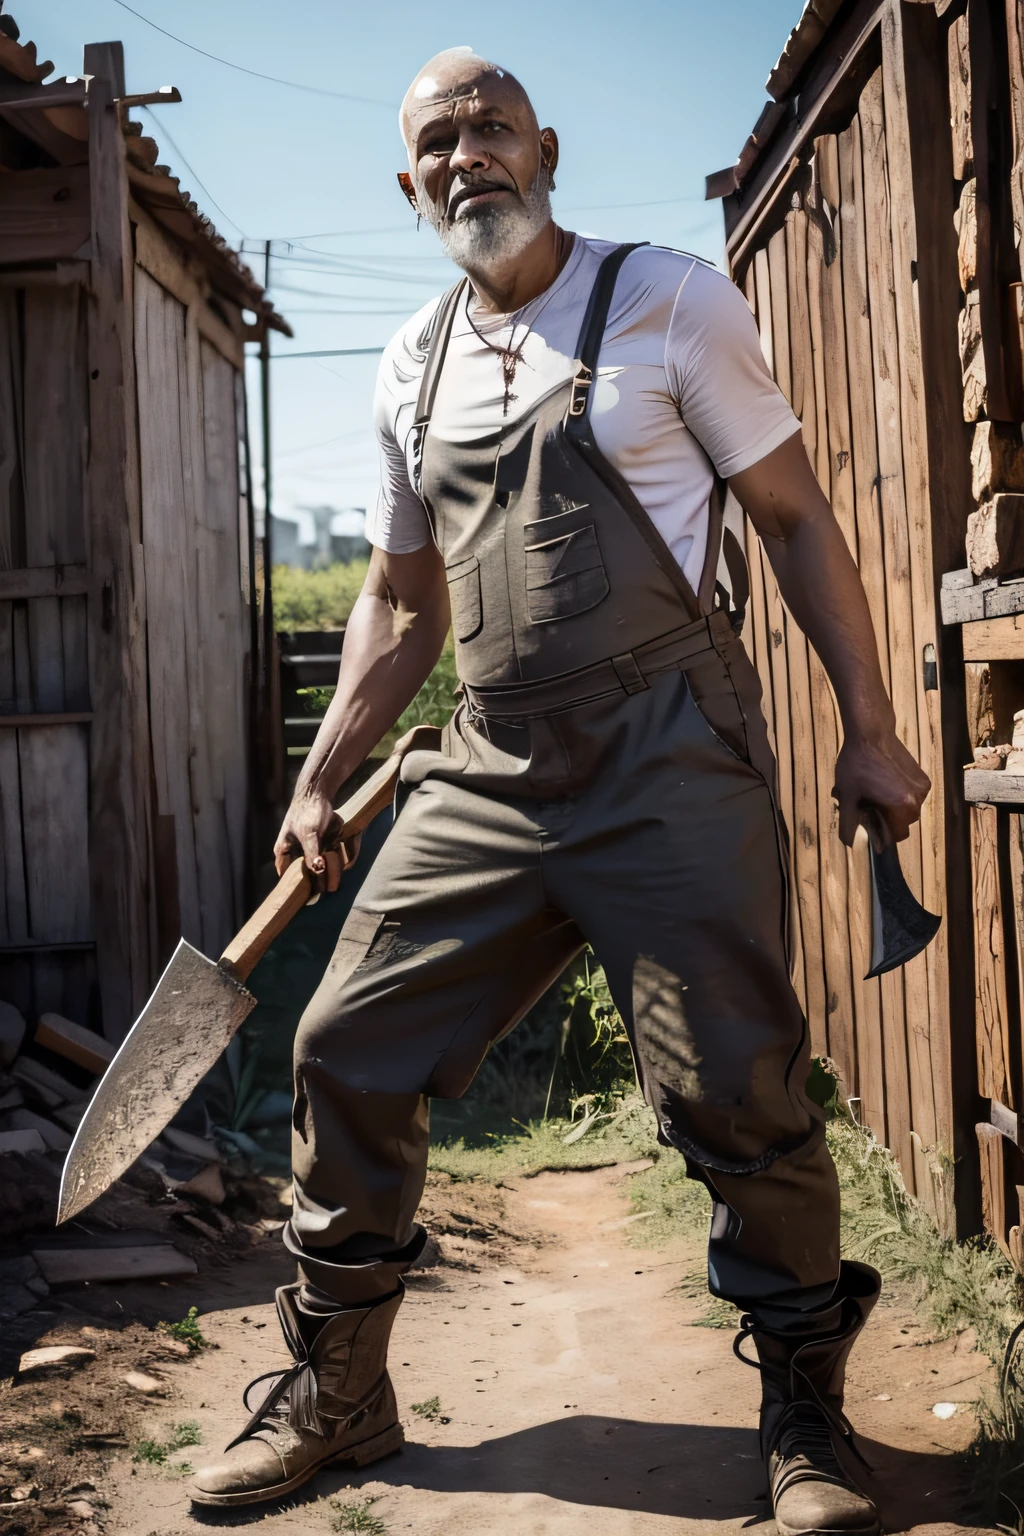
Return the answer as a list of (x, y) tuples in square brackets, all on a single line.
[(133, 675), (840, 230)]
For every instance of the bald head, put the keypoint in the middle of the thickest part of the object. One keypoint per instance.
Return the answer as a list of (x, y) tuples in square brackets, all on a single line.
[(454, 76)]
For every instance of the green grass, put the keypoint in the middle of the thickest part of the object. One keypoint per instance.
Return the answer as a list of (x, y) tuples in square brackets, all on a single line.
[(187, 1331), (151, 1453), (356, 1516), (184, 1434), (316, 599), (155, 1453), (431, 1411)]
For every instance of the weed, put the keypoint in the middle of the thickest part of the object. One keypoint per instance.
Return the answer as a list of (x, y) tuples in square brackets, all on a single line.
[(431, 1410), (187, 1331), (356, 1516), (149, 1452), (320, 599), (184, 1434)]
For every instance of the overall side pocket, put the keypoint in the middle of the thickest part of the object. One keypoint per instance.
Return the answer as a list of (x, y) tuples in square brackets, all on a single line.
[(464, 596)]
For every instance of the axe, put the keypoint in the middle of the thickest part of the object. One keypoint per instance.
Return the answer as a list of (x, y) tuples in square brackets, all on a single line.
[(900, 926), (196, 1008)]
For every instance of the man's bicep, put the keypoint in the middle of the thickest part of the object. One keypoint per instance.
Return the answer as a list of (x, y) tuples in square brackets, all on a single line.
[(780, 490)]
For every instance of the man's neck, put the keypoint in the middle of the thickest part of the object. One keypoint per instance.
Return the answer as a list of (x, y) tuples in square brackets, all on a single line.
[(503, 287)]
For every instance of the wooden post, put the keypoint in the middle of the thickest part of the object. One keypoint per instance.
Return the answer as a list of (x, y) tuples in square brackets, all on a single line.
[(937, 469), (119, 769)]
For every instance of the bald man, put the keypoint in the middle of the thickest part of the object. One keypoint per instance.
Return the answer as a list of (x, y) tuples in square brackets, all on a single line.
[(556, 433)]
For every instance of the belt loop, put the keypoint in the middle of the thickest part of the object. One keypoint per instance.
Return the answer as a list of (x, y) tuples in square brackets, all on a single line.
[(629, 674)]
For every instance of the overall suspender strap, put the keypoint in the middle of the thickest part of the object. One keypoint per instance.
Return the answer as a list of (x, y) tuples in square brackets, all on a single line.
[(588, 346), (440, 333)]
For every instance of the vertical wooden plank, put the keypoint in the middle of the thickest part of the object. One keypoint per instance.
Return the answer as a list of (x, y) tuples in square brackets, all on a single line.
[(992, 1006), (8, 695), (1015, 920), (55, 392), (119, 767), (959, 70), (12, 501), (825, 303), (161, 384), (805, 786), (775, 613), (755, 630), (935, 455), (13, 898), (23, 696), (54, 762), (896, 557), (762, 294), (992, 1149), (855, 498), (46, 654), (1015, 42), (74, 630)]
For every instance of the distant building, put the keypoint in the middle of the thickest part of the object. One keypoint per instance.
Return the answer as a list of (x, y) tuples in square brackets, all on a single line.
[(320, 536)]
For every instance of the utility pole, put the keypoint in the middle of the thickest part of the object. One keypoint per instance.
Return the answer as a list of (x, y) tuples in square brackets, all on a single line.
[(276, 763)]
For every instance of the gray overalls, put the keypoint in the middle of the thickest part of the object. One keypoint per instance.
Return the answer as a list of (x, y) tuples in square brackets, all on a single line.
[(606, 780)]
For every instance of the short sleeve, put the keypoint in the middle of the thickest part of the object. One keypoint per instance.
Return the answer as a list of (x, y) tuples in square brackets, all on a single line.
[(398, 523), (717, 372)]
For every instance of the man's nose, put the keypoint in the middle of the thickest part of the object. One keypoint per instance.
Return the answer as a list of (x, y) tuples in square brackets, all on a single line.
[(470, 153)]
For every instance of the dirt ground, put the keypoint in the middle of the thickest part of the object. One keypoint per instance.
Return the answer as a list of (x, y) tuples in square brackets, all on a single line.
[(577, 1391)]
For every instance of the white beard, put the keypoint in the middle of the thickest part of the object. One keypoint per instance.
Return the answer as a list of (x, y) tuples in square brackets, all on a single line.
[(497, 233)]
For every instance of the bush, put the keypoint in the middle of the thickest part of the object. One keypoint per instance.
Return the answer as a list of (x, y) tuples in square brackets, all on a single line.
[(316, 599)]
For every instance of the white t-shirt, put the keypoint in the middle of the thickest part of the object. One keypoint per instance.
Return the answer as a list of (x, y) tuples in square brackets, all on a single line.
[(681, 386)]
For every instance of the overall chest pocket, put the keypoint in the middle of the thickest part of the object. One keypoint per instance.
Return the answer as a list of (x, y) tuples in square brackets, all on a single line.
[(565, 574), (464, 596)]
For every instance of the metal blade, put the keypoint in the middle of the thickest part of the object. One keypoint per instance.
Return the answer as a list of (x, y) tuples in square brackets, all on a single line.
[(192, 1014), (900, 926)]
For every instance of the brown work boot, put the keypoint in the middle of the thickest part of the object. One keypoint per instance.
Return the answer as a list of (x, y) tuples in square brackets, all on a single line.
[(336, 1403), (804, 1431)]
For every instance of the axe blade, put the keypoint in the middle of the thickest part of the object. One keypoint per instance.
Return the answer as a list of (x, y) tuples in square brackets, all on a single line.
[(900, 927), (195, 1009)]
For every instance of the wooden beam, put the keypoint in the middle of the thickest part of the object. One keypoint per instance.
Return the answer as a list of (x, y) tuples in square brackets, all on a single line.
[(994, 639), (182, 274), (747, 207), (119, 761), (44, 581), (44, 214), (62, 717)]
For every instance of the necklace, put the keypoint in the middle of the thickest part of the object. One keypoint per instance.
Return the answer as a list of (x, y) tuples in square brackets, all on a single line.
[(511, 356)]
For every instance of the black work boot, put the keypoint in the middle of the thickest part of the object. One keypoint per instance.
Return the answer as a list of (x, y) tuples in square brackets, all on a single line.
[(802, 1421), (336, 1403)]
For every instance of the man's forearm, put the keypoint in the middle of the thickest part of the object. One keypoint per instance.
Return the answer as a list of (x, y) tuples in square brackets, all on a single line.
[(821, 586), (388, 655)]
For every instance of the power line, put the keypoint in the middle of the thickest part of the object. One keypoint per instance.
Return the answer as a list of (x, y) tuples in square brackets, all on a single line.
[(205, 190), (333, 352), (294, 85)]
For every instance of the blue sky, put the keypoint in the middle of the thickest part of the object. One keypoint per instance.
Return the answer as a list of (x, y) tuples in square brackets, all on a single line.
[(647, 96)]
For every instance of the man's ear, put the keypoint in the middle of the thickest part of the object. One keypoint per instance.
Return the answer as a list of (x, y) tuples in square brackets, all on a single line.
[(549, 149), (405, 182)]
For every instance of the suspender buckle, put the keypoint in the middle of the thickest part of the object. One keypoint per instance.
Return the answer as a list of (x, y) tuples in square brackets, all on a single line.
[(582, 380)]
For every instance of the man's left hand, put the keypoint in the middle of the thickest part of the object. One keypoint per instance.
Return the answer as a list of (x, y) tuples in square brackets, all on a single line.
[(879, 773)]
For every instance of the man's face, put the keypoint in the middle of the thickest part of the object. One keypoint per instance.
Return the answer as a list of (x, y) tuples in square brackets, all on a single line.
[(480, 167)]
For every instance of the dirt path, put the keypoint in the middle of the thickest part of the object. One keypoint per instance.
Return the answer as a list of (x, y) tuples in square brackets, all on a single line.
[(583, 1400)]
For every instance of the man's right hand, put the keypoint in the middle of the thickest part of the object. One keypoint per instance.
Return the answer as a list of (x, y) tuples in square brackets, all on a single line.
[(312, 830)]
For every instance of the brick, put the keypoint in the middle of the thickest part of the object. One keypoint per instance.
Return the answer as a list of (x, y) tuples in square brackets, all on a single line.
[(995, 536)]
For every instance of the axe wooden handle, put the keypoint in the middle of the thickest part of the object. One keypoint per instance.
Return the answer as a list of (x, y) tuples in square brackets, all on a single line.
[(296, 885)]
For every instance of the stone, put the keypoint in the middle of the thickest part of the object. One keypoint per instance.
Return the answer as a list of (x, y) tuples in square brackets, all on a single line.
[(21, 1141), (18, 1270), (967, 235), (995, 536), (1015, 761), (45, 1084), (80, 1509), (987, 757), (207, 1184), (24, 1491), (12, 1033), (997, 459), (14, 1300), (54, 1354), (56, 1139), (140, 1382), (972, 359)]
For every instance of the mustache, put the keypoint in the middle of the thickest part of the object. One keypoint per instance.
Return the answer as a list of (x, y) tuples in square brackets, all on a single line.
[(463, 188)]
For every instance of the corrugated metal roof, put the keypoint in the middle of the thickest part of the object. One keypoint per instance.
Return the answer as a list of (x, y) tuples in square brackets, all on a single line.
[(63, 132)]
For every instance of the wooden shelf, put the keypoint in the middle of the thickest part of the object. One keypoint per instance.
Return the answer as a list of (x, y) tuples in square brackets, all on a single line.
[(965, 601)]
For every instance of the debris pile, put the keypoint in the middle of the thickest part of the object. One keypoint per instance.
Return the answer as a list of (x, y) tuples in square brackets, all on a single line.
[(190, 1197)]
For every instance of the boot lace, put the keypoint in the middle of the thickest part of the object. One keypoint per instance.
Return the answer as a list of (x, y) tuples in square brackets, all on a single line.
[(290, 1402)]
